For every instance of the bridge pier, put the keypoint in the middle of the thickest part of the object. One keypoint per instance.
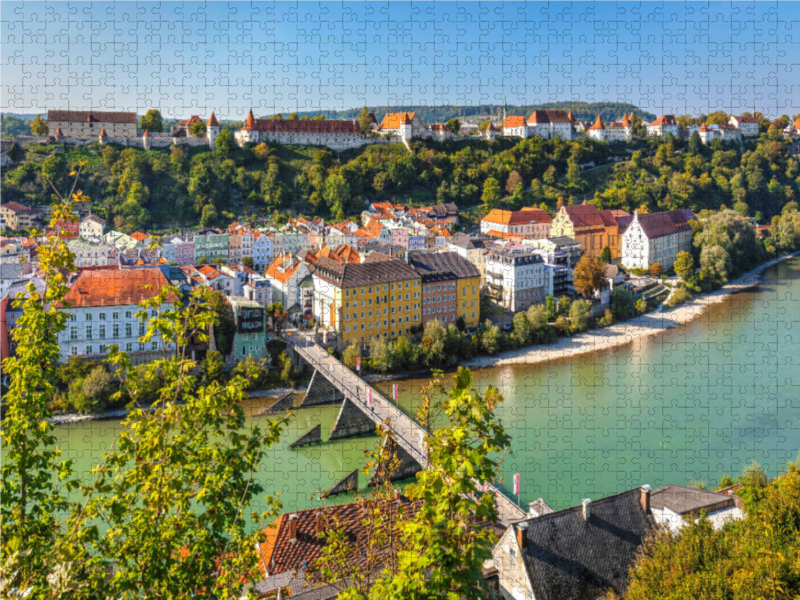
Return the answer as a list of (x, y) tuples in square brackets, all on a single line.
[(321, 391), (350, 422), (348, 484), (406, 467), (312, 436)]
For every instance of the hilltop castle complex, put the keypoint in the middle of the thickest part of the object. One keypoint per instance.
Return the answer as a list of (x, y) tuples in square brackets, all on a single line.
[(105, 127)]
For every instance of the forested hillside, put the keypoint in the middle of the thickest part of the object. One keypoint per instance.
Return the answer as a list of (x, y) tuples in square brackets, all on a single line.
[(173, 187), (583, 111)]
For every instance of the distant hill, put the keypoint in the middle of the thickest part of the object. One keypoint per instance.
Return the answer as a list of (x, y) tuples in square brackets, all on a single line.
[(583, 111)]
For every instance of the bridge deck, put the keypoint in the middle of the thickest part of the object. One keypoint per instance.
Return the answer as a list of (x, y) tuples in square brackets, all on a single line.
[(407, 432)]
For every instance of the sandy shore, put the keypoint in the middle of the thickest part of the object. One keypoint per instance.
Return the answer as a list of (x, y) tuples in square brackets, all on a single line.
[(624, 333)]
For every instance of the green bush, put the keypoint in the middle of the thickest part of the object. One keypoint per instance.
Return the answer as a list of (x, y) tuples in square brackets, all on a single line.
[(92, 394)]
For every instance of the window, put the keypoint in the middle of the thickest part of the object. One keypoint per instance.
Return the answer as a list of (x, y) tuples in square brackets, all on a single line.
[(103, 316), (89, 349), (128, 314), (101, 331), (128, 330), (87, 316), (115, 330), (73, 333), (141, 347), (88, 332), (72, 317), (102, 348), (129, 347), (115, 316), (74, 350)]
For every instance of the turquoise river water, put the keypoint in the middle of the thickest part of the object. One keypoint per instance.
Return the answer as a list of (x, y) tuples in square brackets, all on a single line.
[(695, 402)]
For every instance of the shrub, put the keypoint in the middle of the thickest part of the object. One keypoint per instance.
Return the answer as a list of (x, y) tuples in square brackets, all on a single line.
[(622, 303), (656, 269)]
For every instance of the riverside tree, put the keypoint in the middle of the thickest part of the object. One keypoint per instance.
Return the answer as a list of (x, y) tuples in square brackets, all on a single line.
[(163, 513), (436, 550)]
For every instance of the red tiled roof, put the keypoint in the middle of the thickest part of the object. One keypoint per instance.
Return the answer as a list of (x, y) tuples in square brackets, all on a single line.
[(373, 228), (549, 116), (298, 126), (139, 236), (610, 216), (250, 122), (280, 555), (598, 124), (77, 116), (584, 216), (15, 206), (114, 287), (538, 117), (348, 254), (289, 264), (664, 120), (394, 120), (212, 121), (192, 119), (514, 122), (746, 119)]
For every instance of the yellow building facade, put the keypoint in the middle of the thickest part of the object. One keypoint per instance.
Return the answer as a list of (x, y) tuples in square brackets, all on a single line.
[(362, 303)]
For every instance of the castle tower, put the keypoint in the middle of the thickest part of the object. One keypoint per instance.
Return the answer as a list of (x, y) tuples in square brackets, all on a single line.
[(703, 133), (146, 141), (626, 123), (103, 136), (406, 128), (212, 131), (59, 134), (598, 130)]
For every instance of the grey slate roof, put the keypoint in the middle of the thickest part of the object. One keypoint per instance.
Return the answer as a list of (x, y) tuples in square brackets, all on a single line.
[(568, 558), (368, 273), (388, 249), (442, 265), (469, 242), (562, 241), (683, 500)]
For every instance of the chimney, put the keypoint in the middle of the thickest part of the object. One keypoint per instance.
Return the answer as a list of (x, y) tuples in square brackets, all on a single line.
[(319, 524), (522, 535), (586, 506), (644, 497), (293, 527)]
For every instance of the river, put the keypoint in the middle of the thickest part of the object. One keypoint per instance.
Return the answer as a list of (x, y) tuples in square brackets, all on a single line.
[(694, 402)]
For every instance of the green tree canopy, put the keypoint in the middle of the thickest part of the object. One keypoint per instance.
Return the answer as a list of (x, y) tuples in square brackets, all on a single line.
[(152, 121)]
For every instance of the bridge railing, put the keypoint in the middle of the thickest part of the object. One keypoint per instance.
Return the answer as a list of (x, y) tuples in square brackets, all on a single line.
[(510, 511)]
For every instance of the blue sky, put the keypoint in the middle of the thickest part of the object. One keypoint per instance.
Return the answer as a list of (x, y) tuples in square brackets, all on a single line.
[(192, 58)]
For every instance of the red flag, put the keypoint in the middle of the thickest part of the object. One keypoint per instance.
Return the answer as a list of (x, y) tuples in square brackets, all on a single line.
[(324, 337), (369, 397), (330, 361), (394, 391), (485, 487), (516, 483), (358, 363)]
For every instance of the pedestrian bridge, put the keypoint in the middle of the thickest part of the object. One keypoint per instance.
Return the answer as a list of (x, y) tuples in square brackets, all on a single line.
[(364, 407)]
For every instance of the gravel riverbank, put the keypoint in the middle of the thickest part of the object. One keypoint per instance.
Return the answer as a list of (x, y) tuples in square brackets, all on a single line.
[(624, 333)]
